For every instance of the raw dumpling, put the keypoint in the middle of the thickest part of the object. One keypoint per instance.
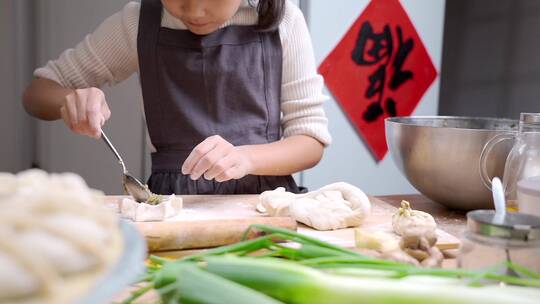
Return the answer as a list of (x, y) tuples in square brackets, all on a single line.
[(142, 212)]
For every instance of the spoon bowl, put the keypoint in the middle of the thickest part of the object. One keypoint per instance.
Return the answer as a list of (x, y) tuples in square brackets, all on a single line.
[(132, 186)]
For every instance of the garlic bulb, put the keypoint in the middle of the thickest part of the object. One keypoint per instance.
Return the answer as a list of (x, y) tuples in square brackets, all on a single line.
[(407, 219)]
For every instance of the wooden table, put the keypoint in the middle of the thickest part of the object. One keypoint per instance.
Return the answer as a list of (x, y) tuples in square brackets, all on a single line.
[(451, 221)]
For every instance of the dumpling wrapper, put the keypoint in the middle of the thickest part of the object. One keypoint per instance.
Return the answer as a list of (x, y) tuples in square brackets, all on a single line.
[(335, 206), (142, 212)]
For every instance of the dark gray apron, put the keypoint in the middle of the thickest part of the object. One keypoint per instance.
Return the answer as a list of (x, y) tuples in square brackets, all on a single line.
[(226, 83)]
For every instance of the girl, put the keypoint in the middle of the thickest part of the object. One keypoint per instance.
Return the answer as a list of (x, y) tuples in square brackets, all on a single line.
[(221, 80)]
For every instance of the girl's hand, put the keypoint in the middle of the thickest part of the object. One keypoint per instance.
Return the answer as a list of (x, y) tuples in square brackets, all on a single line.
[(85, 111), (215, 158)]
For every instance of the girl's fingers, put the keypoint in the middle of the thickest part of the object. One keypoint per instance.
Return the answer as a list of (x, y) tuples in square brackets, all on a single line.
[(94, 114), (94, 121), (198, 152), (81, 104), (208, 160), (219, 167), (85, 111), (105, 111), (71, 110), (231, 173)]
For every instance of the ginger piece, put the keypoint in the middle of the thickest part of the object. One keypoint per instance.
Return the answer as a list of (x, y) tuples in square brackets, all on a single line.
[(378, 240), (400, 256), (420, 244), (434, 259)]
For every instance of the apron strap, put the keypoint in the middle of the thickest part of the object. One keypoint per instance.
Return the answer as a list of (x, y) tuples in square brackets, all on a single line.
[(147, 38), (273, 73)]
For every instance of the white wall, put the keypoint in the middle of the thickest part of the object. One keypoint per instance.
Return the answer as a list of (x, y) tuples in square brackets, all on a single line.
[(16, 127), (347, 159)]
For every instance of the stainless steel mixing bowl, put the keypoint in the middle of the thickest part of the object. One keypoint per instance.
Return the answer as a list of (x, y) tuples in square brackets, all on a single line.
[(440, 155)]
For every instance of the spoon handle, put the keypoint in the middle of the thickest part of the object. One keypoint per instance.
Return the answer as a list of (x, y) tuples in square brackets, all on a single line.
[(110, 145), (499, 200)]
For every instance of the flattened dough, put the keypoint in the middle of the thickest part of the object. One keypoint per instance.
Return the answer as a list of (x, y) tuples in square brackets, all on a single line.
[(334, 206)]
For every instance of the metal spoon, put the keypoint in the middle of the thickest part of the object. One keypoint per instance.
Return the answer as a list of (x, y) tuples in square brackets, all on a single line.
[(132, 186)]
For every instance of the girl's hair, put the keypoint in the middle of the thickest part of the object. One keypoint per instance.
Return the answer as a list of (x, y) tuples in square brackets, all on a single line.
[(270, 14)]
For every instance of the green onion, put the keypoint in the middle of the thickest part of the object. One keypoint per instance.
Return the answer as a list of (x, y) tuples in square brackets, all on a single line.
[(187, 283), (294, 268), (300, 238), (293, 283)]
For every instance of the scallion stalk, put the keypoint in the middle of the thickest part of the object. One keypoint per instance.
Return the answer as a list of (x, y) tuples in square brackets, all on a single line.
[(307, 270), (292, 283), (190, 284)]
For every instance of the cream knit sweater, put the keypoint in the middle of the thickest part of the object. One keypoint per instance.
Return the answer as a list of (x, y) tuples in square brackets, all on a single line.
[(109, 55)]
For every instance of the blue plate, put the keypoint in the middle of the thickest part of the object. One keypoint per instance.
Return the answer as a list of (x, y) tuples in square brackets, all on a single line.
[(128, 269)]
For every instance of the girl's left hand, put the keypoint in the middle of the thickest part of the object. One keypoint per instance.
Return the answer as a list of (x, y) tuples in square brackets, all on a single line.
[(215, 158)]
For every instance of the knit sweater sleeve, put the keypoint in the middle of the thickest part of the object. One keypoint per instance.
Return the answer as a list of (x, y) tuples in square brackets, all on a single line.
[(301, 93), (109, 55), (106, 56)]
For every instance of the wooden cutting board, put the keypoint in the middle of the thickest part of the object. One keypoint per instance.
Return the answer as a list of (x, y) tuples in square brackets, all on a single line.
[(215, 220), (380, 219), (206, 221)]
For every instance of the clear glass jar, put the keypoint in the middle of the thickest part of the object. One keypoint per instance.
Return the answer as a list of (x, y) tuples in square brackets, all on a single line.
[(486, 244), (528, 195), (522, 162)]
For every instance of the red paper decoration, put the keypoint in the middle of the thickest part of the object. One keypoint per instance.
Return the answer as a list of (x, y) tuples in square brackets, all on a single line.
[(380, 68)]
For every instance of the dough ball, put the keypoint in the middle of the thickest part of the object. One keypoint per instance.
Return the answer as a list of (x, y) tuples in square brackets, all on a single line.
[(276, 202), (321, 215), (335, 206)]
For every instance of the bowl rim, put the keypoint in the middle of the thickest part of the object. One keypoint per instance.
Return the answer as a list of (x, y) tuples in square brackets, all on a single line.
[(403, 120)]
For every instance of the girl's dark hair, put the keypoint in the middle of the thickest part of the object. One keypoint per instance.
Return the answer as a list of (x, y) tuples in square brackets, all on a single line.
[(270, 14)]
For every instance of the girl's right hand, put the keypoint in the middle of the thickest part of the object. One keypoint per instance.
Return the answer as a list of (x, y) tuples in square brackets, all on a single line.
[(85, 111)]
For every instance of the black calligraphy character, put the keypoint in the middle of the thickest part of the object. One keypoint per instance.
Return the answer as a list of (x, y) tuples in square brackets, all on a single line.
[(404, 49), (380, 47), (376, 86), (376, 48)]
